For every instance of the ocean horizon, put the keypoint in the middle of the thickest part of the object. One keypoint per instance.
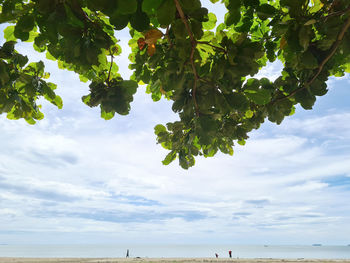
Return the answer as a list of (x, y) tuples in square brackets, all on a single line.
[(316, 251)]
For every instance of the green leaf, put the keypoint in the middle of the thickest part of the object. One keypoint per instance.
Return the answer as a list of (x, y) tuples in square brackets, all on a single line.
[(295, 6), (48, 93), (251, 3), (40, 43), (186, 161), (249, 114), (308, 60), (130, 86), (271, 50), (169, 158), (241, 142), (310, 22), (318, 88), (190, 5), (317, 5), (159, 128), (20, 59), (347, 68), (140, 21), (58, 102), (179, 29), (210, 24), (305, 36), (260, 96), (83, 78), (200, 14), (232, 17), (107, 115), (150, 6), (166, 12), (265, 11), (207, 123), (9, 33), (37, 67), (197, 28), (305, 98), (8, 47), (278, 110), (233, 4), (252, 84), (119, 21), (183, 162), (30, 121), (25, 23), (86, 99), (126, 7), (44, 6), (290, 3), (237, 101), (22, 35), (32, 36), (4, 76), (72, 19), (49, 56)]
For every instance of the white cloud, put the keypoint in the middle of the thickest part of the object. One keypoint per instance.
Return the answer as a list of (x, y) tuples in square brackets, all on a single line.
[(307, 187), (76, 174), (333, 126)]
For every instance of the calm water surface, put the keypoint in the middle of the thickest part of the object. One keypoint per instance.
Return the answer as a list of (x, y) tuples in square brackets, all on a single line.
[(158, 251)]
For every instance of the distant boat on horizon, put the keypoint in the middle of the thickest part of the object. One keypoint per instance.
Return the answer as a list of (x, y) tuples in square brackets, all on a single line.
[(316, 245)]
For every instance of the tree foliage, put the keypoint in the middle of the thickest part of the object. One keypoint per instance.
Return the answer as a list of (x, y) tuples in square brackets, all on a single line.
[(207, 70)]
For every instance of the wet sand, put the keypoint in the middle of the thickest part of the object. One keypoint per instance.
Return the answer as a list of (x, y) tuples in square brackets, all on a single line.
[(166, 260)]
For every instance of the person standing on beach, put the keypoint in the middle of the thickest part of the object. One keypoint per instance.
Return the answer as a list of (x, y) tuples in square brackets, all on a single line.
[(127, 253), (230, 253), (216, 255)]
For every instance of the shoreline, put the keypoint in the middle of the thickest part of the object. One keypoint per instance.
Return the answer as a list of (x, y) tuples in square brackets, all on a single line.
[(166, 260)]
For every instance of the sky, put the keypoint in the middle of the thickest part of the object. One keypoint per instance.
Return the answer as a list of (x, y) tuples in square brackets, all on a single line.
[(74, 178)]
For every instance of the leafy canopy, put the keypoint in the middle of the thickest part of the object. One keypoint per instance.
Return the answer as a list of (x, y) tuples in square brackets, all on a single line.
[(207, 70)]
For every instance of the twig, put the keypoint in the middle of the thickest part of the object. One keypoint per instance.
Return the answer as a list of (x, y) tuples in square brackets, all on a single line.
[(213, 46), (76, 7), (194, 44), (82, 12), (338, 13), (323, 63)]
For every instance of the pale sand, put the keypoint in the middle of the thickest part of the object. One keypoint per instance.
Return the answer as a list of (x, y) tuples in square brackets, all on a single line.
[(165, 260)]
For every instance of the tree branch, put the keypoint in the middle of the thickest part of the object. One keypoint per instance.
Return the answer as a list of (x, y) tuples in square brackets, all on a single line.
[(194, 44), (184, 20), (333, 50), (324, 61)]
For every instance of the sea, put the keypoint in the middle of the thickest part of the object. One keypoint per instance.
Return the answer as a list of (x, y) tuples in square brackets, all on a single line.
[(178, 251)]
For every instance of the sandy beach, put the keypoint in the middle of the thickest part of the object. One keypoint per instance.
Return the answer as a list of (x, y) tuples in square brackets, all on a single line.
[(165, 260)]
